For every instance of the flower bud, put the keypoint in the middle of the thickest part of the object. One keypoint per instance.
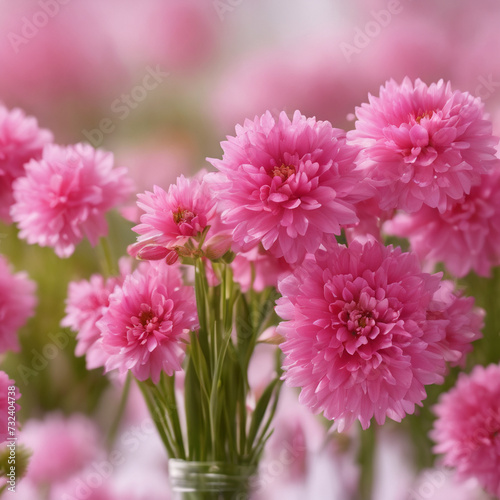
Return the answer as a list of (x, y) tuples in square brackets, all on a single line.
[(152, 252), (218, 245)]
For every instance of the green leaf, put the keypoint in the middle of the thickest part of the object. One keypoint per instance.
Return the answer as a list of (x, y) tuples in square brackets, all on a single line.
[(194, 413), (260, 412)]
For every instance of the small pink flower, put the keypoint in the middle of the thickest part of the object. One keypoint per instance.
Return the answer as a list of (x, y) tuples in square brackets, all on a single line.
[(20, 141), (17, 304), (7, 408), (65, 196), (173, 217), (460, 319), (289, 184), (86, 303), (465, 237), (371, 219), (423, 145), (61, 446), (467, 430), (357, 341), (259, 265), (146, 325)]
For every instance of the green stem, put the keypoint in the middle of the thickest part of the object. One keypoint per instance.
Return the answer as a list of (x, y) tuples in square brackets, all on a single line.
[(121, 410), (366, 459), (168, 385), (107, 261), (159, 419)]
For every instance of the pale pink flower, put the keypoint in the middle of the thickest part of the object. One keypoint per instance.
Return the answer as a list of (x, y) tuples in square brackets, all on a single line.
[(356, 336), (146, 325), (86, 303), (61, 446), (181, 35), (371, 219), (17, 304), (423, 145), (465, 237), (7, 408), (467, 430), (66, 195), (460, 319), (173, 217), (36, 55), (326, 85), (20, 141), (288, 184), (258, 269), (301, 461)]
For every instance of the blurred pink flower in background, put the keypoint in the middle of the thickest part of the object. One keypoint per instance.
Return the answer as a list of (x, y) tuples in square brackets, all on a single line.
[(51, 59), (357, 339), (467, 429), (17, 304), (78, 487), (298, 455), (257, 269), (423, 144), (20, 141), (393, 464), (86, 303), (6, 406), (462, 322), (146, 325), (61, 446), (180, 35), (65, 196), (465, 237), (424, 40), (288, 184), (312, 76)]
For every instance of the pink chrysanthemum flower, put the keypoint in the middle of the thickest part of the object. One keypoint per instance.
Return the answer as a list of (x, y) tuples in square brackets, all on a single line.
[(465, 237), (65, 196), (20, 141), (461, 321), (467, 430), (61, 446), (356, 336), (17, 304), (6, 384), (173, 217), (86, 303), (423, 145), (288, 184), (146, 325)]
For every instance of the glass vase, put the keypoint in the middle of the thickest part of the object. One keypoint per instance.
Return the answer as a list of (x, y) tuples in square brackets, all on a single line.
[(210, 480)]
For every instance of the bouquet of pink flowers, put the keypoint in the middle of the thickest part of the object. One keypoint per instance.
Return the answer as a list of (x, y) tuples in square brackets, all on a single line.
[(293, 243)]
